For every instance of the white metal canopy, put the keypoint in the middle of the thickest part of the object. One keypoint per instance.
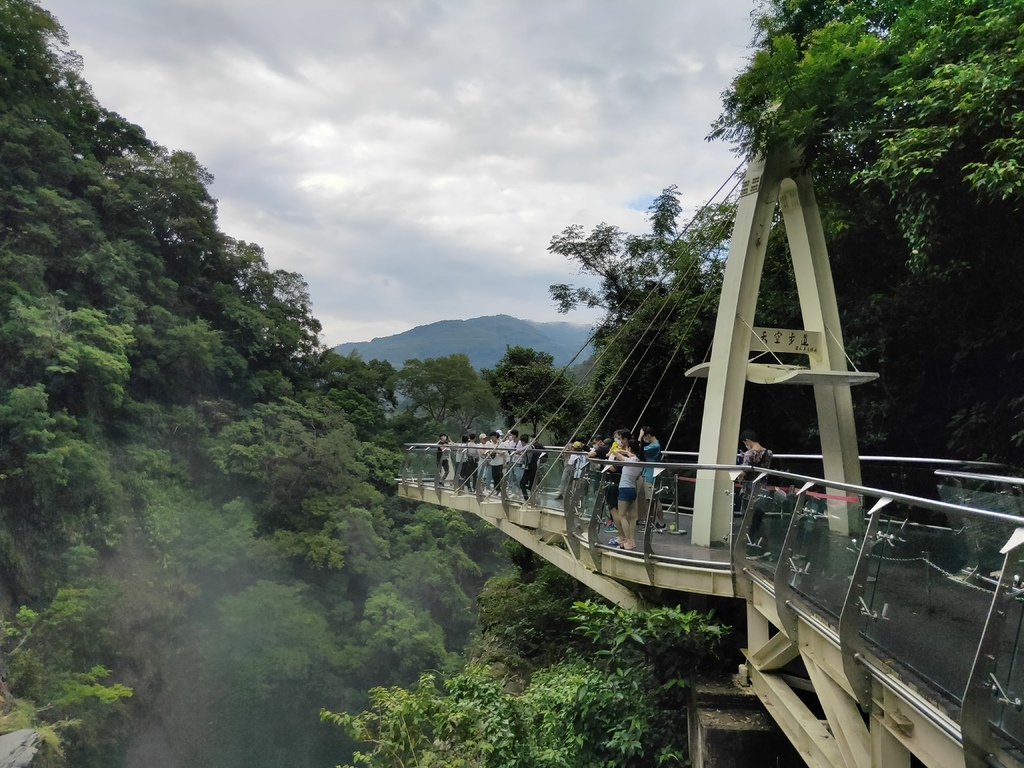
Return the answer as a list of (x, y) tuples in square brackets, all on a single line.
[(771, 373)]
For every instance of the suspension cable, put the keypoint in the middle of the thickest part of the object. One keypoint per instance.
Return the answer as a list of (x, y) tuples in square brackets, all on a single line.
[(676, 283)]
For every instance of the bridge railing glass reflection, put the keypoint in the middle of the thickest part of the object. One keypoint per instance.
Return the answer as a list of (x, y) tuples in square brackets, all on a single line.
[(994, 703), (925, 608), (421, 464), (768, 511), (993, 707), (820, 553)]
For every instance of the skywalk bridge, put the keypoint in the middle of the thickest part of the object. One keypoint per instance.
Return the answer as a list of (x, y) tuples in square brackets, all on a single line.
[(909, 625), (884, 597)]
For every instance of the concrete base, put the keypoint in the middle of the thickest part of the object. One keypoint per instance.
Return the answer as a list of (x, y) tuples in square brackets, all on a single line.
[(729, 728)]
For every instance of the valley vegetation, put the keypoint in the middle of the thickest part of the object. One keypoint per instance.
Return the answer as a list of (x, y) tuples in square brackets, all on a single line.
[(199, 542)]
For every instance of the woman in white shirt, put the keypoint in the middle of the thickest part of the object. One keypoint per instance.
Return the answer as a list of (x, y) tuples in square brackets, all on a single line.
[(630, 456)]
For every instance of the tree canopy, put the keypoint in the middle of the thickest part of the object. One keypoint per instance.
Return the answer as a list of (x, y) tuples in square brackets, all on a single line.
[(197, 528)]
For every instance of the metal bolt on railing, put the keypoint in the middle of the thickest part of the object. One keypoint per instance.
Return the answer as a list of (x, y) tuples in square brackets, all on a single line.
[(890, 538), (797, 569), (866, 611), (1001, 696)]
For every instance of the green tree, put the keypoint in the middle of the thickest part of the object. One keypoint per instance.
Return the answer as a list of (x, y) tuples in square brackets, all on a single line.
[(909, 112), (659, 291), (273, 654), (531, 391), (447, 390), (365, 391), (614, 708), (51, 678), (193, 491)]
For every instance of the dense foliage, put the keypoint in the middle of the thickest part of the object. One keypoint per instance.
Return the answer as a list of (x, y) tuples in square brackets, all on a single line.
[(909, 113), (533, 394), (197, 534), (608, 687)]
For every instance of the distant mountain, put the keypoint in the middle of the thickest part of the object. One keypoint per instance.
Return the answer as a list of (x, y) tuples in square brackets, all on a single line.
[(482, 339)]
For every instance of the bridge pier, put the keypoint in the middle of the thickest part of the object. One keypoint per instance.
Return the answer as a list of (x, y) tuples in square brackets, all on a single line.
[(729, 727)]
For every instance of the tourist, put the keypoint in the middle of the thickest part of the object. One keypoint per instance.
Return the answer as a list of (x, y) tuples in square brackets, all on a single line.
[(534, 460), (515, 463), (629, 454), (645, 486), (444, 453)]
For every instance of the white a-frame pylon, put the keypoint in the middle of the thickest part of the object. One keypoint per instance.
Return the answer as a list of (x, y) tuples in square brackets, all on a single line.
[(779, 179)]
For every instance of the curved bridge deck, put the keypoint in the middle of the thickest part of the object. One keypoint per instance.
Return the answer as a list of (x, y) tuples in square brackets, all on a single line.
[(900, 608)]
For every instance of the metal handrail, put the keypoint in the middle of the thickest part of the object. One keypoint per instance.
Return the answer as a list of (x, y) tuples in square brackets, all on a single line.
[(986, 478), (799, 479)]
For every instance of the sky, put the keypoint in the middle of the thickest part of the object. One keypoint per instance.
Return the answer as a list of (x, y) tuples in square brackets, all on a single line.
[(412, 159)]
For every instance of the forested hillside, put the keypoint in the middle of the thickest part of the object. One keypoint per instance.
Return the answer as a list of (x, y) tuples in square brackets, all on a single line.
[(198, 545), (482, 339)]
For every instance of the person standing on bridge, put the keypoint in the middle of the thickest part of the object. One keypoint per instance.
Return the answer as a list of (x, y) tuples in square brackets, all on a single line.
[(612, 474), (515, 463), (645, 486), (535, 458), (483, 466), (499, 455), (566, 457), (494, 462), (444, 454), (629, 454), (755, 456), (578, 463), (467, 468)]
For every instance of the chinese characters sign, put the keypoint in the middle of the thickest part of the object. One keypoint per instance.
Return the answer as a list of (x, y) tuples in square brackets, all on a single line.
[(750, 186), (785, 340)]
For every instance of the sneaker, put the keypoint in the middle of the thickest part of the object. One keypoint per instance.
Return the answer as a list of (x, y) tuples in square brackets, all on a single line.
[(660, 527), (610, 528)]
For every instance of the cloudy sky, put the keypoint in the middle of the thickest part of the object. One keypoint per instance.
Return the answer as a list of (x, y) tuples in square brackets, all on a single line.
[(413, 158)]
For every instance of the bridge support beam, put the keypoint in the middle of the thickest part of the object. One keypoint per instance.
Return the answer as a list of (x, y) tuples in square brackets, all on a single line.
[(844, 718), (820, 311), (727, 376), (777, 179), (564, 561), (807, 734)]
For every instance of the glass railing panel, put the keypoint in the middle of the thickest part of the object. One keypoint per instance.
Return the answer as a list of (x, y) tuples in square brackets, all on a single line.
[(823, 551), (770, 507), (583, 494), (547, 486), (421, 462), (672, 491), (597, 511), (1004, 674), (930, 585), (576, 501), (991, 496), (911, 476), (899, 474), (669, 509)]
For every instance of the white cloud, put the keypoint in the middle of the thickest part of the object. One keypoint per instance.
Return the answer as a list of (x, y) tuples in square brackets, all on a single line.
[(413, 159)]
